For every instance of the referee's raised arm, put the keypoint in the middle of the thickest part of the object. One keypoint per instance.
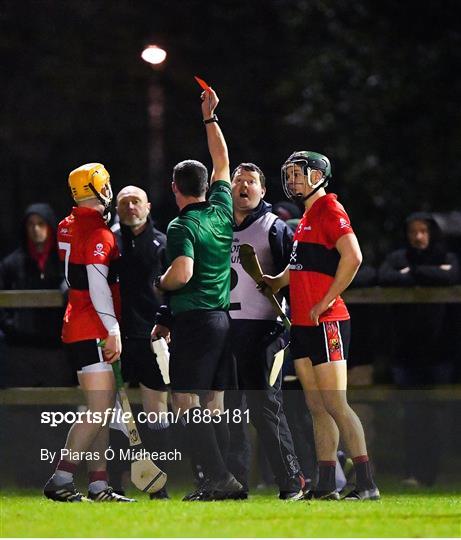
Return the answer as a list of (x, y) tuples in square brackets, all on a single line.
[(216, 142)]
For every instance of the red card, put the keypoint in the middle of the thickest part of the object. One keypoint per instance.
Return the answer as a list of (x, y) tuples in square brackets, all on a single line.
[(202, 83)]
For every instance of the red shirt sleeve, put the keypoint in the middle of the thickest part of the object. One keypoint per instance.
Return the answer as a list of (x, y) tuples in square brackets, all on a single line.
[(336, 223), (99, 247)]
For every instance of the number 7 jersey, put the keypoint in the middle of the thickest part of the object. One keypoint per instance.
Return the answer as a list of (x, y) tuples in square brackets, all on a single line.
[(84, 239)]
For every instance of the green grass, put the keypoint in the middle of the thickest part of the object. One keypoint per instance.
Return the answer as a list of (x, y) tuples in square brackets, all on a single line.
[(423, 514)]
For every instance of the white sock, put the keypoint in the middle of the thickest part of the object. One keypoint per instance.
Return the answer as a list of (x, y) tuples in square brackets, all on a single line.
[(340, 477), (97, 486), (158, 426), (62, 477)]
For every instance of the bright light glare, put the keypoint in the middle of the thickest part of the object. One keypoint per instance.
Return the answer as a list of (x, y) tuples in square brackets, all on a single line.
[(153, 54)]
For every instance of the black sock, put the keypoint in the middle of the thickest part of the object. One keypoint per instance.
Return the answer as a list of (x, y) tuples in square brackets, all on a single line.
[(159, 440), (327, 476), (363, 472), (203, 445), (221, 429)]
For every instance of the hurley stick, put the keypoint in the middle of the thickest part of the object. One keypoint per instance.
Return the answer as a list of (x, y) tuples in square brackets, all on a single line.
[(250, 264)]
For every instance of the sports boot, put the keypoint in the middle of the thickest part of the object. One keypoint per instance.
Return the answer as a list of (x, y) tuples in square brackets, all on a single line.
[(108, 495), (363, 495), (65, 493)]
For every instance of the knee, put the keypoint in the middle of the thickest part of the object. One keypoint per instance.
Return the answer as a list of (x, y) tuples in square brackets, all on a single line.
[(336, 405), (157, 403), (316, 408), (315, 403), (160, 397), (100, 402), (214, 401), (185, 402)]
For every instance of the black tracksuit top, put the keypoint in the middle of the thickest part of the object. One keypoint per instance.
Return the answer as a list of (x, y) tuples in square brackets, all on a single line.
[(143, 258)]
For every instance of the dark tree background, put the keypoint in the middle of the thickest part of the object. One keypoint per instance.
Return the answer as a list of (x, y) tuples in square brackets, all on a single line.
[(374, 85)]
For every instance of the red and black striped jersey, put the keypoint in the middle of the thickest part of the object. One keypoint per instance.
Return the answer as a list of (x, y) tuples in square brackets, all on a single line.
[(84, 238), (314, 260)]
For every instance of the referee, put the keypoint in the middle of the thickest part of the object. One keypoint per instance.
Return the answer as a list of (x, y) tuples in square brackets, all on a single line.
[(199, 243)]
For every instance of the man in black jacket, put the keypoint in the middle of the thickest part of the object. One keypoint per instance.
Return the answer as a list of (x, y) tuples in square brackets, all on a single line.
[(420, 338), (424, 260), (142, 249), (34, 265)]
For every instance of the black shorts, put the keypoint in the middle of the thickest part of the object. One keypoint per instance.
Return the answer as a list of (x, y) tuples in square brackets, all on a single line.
[(139, 364), (328, 342), (84, 353), (200, 356)]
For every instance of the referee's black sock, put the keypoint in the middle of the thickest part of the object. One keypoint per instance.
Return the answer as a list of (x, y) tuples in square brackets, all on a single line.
[(203, 445), (221, 429), (159, 440)]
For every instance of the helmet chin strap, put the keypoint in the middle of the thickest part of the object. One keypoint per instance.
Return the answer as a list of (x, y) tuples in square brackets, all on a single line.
[(304, 199), (320, 184), (106, 202)]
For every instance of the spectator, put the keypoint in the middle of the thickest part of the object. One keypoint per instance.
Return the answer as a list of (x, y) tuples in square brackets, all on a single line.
[(424, 260), (34, 265), (418, 339)]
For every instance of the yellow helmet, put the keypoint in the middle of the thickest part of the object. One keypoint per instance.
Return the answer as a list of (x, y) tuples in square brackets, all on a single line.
[(91, 181)]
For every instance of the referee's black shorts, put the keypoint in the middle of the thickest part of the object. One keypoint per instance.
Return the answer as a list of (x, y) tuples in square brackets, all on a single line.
[(200, 356), (139, 364)]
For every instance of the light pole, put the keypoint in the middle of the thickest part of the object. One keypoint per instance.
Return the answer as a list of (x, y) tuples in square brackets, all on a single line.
[(155, 57)]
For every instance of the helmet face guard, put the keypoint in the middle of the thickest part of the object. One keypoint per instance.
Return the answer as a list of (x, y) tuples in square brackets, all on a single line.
[(289, 183), (104, 196), (307, 162)]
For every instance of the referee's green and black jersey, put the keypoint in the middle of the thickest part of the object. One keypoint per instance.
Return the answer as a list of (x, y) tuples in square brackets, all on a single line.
[(203, 232)]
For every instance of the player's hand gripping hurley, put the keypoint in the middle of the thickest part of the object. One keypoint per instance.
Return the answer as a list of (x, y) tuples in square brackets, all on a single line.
[(250, 264)]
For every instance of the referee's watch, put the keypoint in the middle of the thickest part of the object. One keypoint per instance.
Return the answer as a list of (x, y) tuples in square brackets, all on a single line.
[(214, 118), (157, 282)]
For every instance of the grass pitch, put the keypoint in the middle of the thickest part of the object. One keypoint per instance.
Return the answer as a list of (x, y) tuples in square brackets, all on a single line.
[(417, 514)]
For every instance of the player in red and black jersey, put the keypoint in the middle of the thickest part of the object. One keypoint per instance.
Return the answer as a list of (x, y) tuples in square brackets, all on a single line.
[(90, 331), (325, 258)]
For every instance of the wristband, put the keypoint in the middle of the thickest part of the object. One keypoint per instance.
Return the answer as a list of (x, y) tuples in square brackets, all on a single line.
[(163, 316), (214, 118)]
